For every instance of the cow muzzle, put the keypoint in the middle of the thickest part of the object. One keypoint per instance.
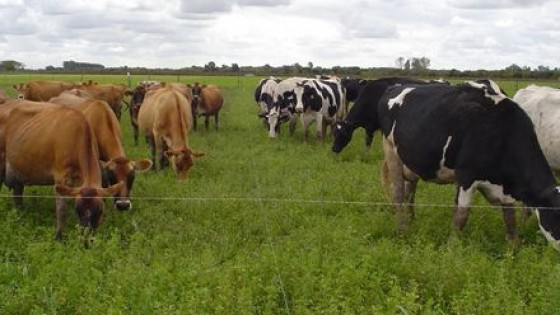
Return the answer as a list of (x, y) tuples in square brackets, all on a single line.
[(123, 204)]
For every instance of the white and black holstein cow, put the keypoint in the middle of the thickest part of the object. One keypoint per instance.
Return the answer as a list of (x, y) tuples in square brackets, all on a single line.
[(283, 104), (321, 101), (364, 111), (471, 135), (264, 96)]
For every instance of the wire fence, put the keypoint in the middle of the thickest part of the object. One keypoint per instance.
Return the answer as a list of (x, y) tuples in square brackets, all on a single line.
[(268, 200)]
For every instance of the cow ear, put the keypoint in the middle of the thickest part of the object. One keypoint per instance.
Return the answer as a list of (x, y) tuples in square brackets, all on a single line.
[(143, 165), (111, 190), (169, 153), (66, 191), (198, 153)]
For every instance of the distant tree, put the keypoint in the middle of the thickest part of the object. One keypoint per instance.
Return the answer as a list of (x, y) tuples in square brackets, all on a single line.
[(513, 68), (420, 64), (400, 62), (234, 67), (210, 66), (297, 68), (407, 65), (11, 65)]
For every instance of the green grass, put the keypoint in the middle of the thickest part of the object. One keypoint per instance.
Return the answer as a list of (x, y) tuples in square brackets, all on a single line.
[(269, 226)]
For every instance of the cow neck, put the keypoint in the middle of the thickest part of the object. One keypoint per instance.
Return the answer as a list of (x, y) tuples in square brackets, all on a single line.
[(178, 136), (89, 161)]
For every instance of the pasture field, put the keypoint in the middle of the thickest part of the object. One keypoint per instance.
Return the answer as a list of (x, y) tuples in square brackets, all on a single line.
[(268, 226)]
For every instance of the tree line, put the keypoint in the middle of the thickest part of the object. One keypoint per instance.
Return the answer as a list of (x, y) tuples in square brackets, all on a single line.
[(416, 66)]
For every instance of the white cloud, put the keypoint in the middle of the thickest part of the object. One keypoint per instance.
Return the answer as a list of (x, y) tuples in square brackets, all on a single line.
[(458, 34)]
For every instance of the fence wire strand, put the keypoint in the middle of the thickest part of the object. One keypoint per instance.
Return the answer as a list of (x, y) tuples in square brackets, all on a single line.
[(263, 200)]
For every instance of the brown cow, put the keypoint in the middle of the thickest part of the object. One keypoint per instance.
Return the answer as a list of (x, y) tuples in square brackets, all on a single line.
[(56, 145), (116, 167), (113, 94), (208, 101), (42, 91), (165, 119)]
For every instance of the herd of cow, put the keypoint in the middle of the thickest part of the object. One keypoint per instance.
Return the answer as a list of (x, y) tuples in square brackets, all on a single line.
[(68, 135), (471, 134)]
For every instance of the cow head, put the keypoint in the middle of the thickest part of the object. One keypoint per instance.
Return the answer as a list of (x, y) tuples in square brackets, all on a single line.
[(342, 133), (89, 202), (549, 217), (196, 91), (21, 89), (182, 160), (136, 98), (123, 170)]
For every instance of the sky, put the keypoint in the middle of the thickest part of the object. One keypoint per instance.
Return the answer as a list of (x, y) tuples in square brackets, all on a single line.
[(453, 34)]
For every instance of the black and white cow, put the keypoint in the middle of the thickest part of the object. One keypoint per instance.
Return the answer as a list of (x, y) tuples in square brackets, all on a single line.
[(364, 111), (283, 105), (471, 135), (320, 101), (264, 94)]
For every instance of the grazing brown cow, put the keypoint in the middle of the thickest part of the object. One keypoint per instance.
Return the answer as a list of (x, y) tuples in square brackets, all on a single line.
[(56, 145), (165, 119), (106, 128), (42, 91), (113, 94), (207, 101)]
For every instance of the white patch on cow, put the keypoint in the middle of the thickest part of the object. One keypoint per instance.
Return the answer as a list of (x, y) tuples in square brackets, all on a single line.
[(272, 122), (553, 242), (465, 197), (391, 135), (495, 98), (400, 98), (444, 173), (493, 193)]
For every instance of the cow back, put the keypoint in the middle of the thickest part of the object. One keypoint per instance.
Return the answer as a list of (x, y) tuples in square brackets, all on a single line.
[(54, 145), (211, 100)]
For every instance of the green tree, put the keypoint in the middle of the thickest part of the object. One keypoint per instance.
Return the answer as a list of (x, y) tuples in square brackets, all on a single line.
[(210, 66), (11, 65)]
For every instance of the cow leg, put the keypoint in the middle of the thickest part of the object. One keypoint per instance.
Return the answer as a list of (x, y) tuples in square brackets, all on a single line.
[(396, 180), (216, 121), (508, 211), (409, 196), (194, 121), (18, 195), (159, 150), (320, 129), (206, 122), (152, 143), (135, 134), (369, 139), (60, 216), (293, 123), (464, 200)]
